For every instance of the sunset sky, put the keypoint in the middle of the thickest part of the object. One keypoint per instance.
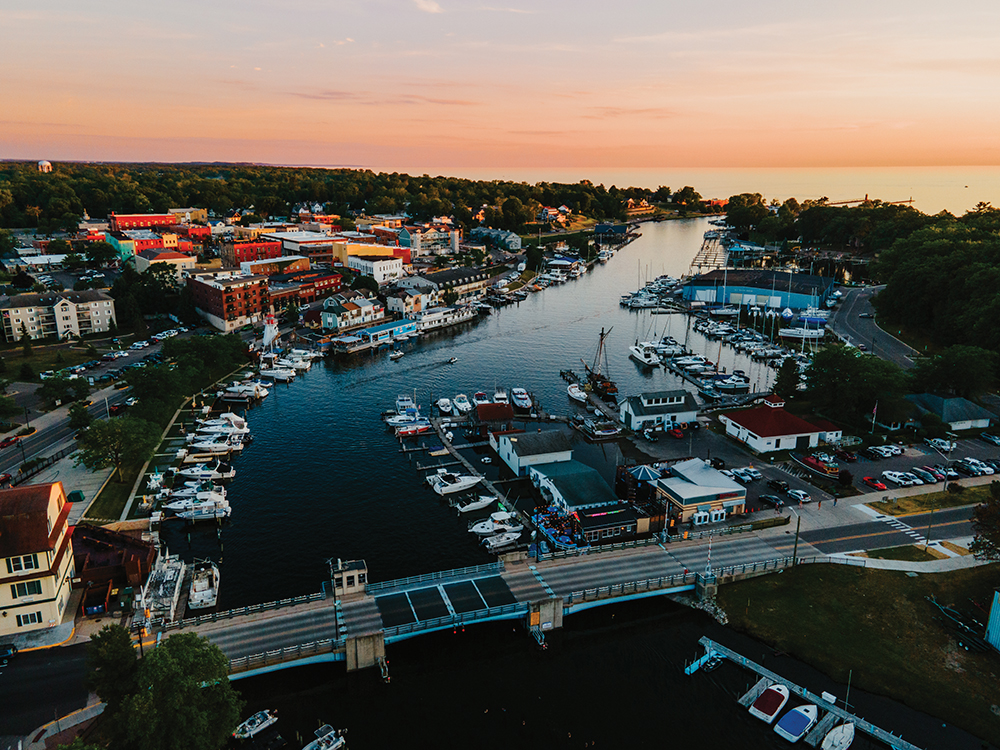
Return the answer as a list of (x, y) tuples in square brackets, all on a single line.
[(516, 83)]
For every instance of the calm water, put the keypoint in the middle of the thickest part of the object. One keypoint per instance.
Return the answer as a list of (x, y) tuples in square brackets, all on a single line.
[(933, 189), (323, 479)]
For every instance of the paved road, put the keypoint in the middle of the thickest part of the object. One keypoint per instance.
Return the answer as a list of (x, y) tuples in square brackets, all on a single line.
[(864, 331), (890, 531), (39, 686)]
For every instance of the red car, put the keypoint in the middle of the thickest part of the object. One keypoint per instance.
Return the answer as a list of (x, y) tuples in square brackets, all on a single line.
[(5, 479), (874, 483), (676, 433), (7, 442)]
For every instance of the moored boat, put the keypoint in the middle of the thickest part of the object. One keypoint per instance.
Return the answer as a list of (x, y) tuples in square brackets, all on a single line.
[(475, 503), (520, 398), (507, 538), (794, 725), (839, 738), (327, 738), (461, 402), (204, 591), (645, 354), (205, 472), (769, 703), (255, 724), (189, 502), (207, 511), (480, 398), (444, 405), (500, 396), (499, 522), (396, 354), (445, 482), (577, 393)]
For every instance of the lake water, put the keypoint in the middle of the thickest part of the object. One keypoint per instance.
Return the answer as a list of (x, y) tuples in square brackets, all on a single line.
[(324, 479)]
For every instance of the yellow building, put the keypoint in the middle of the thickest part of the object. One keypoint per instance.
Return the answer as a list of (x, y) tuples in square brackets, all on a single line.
[(36, 570), (188, 215)]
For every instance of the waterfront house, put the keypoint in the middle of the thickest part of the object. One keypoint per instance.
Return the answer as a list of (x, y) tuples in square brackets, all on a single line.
[(491, 418), (464, 282), (956, 412), (522, 450), (381, 268), (36, 557), (770, 428), (412, 300), (658, 410), (350, 309), (503, 238), (694, 491)]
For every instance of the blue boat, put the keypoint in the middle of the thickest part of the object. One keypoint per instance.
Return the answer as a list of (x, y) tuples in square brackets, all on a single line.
[(794, 725)]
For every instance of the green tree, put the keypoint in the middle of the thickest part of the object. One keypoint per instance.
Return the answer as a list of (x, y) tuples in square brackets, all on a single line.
[(8, 407), (533, 258), (745, 211), (116, 442), (60, 247), (79, 744), (79, 416), (786, 384), (365, 282), (25, 341), (74, 261), (26, 373), (111, 659), (450, 297), (183, 699), (986, 528), (688, 197), (966, 371), (101, 253), (844, 381), (7, 242)]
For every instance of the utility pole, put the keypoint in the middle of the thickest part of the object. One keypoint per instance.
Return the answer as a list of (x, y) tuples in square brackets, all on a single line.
[(930, 520), (795, 549)]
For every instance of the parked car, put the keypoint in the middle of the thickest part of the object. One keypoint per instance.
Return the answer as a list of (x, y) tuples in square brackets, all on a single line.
[(940, 444), (894, 449), (5, 479), (773, 500), (778, 484), (923, 475), (131, 401), (753, 473), (116, 409), (896, 477), (983, 467), (7, 650), (869, 454), (937, 473), (948, 471), (741, 476), (912, 478), (846, 456), (990, 438), (966, 470), (650, 436), (717, 463), (675, 433), (866, 315), (874, 483), (799, 495), (9, 441)]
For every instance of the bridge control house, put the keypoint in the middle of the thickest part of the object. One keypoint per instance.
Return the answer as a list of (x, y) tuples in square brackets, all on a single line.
[(694, 491)]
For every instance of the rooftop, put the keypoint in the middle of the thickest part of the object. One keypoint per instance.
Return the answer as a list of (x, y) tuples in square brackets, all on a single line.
[(780, 281), (539, 443), (579, 484), (771, 421), (24, 525), (48, 299), (953, 409)]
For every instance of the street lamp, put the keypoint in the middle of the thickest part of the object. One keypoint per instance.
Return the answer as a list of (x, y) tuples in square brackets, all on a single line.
[(795, 548)]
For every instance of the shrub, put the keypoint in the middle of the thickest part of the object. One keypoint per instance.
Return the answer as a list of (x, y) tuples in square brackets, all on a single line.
[(956, 488)]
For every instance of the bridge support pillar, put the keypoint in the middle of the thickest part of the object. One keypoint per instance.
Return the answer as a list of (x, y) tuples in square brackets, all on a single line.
[(706, 587), (546, 614), (364, 651)]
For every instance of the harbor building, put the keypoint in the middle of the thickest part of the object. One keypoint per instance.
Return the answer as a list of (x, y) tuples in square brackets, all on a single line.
[(694, 491), (769, 428), (59, 314), (658, 410), (958, 413), (523, 450), (350, 309), (228, 300), (759, 288), (37, 551), (430, 239), (413, 300)]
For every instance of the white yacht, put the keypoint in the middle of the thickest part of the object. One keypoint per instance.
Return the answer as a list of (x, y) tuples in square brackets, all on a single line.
[(206, 511), (499, 522), (306, 354), (445, 482), (191, 491), (252, 390), (444, 405), (232, 444), (229, 419), (296, 364), (480, 398), (204, 592), (404, 403), (645, 354), (521, 398), (461, 402), (281, 374), (475, 503), (498, 542), (205, 472), (188, 502), (328, 738), (500, 396)]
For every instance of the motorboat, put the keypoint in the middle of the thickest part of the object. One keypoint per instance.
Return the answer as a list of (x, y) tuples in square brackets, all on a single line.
[(306, 354), (281, 374), (480, 398), (300, 365), (461, 402), (204, 591), (404, 404), (520, 398), (207, 511), (800, 333), (204, 472), (645, 354), (189, 502), (499, 541), (769, 703), (445, 482), (499, 522), (794, 725), (198, 487), (255, 724), (577, 393), (453, 360), (399, 420), (396, 354), (234, 443), (229, 419), (475, 503), (251, 390), (328, 738), (597, 429), (222, 429), (500, 396), (839, 738), (444, 405), (416, 428), (733, 384)]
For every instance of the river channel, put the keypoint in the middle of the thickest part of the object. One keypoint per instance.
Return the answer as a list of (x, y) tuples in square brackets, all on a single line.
[(323, 479)]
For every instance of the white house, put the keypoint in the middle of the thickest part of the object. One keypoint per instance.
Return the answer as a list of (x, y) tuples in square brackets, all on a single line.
[(770, 428), (382, 268), (524, 449), (658, 410)]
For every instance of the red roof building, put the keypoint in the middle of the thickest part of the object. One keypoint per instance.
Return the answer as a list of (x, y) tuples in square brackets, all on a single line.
[(769, 427), (121, 222), (235, 253)]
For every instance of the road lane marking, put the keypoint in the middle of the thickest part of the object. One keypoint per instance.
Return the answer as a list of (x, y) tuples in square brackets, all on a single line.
[(873, 534)]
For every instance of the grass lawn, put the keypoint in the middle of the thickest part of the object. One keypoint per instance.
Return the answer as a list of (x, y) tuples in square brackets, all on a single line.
[(111, 501), (878, 624), (931, 501), (909, 552), (42, 359)]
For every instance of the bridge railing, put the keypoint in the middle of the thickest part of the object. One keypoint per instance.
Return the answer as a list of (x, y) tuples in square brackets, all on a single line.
[(632, 587), (596, 550), (725, 531), (493, 567), (510, 610), (252, 609), (288, 653)]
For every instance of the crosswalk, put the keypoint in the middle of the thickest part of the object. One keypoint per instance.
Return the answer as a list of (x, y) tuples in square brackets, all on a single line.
[(902, 527)]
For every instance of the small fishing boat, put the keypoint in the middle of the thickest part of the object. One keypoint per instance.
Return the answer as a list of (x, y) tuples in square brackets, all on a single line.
[(204, 591), (255, 724), (577, 393), (396, 354), (494, 543), (839, 738), (500, 396), (475, 503), (480, 398), (769, 703), (327, 738), (453, 360), (444, 405), (794, 725), (461, 402), (416, 428)]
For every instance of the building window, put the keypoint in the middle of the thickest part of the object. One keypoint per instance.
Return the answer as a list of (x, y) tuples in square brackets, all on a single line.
[(25, 562), (32, 618), (26, 588)]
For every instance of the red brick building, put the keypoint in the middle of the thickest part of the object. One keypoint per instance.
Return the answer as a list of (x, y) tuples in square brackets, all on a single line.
[(234, 253), (229, 300), (197, 232), (121, 222)]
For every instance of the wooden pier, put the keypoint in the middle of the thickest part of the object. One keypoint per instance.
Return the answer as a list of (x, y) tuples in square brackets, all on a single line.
[(833, 713)]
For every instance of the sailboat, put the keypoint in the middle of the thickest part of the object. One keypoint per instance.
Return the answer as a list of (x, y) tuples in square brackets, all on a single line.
[(601, 384)]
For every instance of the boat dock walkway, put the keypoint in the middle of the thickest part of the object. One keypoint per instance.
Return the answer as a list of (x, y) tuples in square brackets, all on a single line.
[(833, 713)]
